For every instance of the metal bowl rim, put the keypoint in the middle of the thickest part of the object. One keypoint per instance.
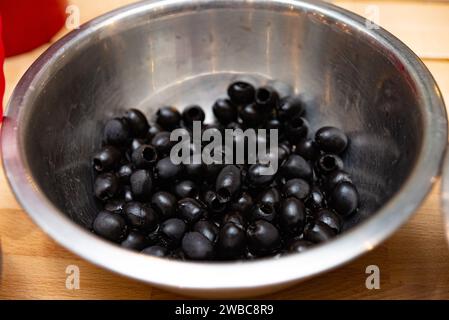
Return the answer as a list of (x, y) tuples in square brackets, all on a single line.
[(198, 276)]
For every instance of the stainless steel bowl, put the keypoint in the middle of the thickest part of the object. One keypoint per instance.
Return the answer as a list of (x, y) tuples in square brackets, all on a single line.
[(180, 52)]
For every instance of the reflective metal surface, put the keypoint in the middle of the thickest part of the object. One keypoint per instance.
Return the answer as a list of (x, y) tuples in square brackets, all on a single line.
[(180, 52)]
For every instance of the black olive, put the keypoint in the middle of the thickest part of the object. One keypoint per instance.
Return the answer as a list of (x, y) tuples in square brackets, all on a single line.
[(292, 216), (318, 232), (297, 188), (141, 184), (331, 139), (307, 149), (144, 156), (186, 189), (156, 251), (135, 241), (137, 122), (168, 118), (107, 158), (344, 198), (197, 247), (110, 226), (164, 203), (228, 182), (296, 167), (225, 111), (290, 107), (243, 203), (331, 218), (173, 230), (298, 246), (241, 92), (328, 163), (263, 238), (207, 229), (231, 241), (191, 114), (106, 186), (141, 216), (190, 210), (117, 132)]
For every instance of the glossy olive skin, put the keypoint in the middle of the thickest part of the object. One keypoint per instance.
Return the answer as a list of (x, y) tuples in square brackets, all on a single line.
[(141, 216), (153, 130), (164, 203), (106, 186), (191, 114), (144, 156), (297, 188), (207, 229), (274, 124), (265, 212), (124, 173), (318, 232), (197, 247), (110, 226), (127, 194), (116, 132), (137, 121), (315, 199), (296, 167), (298, 246), (241, 93), (290, 107), (162, 143), (141, 182), (165, 169), (186, 189), (336, 177), (296, 129), (344, 198), (328, 163), (228, 182), (292, 216), (213, 202), (330, 218), (157, 251), (308, 149), (114, 206), (194, 171), (107, 158), (231, 241), (168, 118), (243, 203), (236, 218), (263, 238), (250, 116), (173, 230), (331, 140), (136, 143), (190, 210), (255, 176), (266, 99), (134, 241), (271, 197), (225, 111)]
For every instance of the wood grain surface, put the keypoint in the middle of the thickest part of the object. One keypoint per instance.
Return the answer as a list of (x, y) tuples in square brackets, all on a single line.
[(414, 263)]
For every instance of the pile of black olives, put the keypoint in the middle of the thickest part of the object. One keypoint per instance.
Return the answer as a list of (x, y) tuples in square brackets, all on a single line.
[(222, 211)]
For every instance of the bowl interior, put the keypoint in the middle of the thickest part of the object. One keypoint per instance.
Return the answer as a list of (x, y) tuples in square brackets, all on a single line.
[(180, 58)]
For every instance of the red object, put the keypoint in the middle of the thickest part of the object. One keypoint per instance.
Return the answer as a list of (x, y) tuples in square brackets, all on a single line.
[(28, 24), (2, 76)]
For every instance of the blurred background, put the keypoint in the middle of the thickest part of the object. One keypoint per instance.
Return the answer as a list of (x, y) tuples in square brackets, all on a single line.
[(33, 265)]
